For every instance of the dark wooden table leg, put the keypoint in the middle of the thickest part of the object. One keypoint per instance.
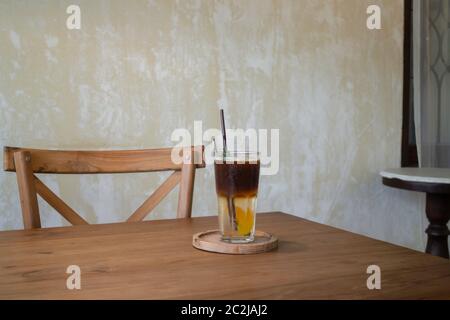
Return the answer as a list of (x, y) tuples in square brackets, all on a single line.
[(438, 214)]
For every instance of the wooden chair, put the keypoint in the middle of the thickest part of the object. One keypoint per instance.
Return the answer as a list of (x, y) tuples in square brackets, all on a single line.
[(27, 162)]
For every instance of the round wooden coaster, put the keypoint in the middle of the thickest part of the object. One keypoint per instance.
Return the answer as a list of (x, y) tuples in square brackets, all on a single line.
[(211, 241)]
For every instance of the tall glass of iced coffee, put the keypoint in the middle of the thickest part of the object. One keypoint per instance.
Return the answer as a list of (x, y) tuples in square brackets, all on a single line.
[(237, 177)]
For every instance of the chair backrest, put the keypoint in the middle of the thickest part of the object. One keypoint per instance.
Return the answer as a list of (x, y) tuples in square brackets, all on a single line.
[(26, 162)]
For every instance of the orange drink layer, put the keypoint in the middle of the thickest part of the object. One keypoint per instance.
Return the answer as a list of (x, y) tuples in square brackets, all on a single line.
[(237, 189)]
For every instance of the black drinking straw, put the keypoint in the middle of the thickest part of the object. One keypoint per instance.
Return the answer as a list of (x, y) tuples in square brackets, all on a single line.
[(224, 134), (230, 202)]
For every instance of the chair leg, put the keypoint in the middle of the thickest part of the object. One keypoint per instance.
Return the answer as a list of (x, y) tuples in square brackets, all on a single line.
[(27, 190), (186, 185)]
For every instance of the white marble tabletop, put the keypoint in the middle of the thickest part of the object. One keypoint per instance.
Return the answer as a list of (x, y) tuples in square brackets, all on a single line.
[(426, 175)]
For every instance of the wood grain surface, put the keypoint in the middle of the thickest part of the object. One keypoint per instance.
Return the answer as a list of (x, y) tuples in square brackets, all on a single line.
[(156, 260)]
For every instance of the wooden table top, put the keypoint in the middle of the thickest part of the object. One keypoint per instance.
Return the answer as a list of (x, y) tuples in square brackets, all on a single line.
[(155, 260)]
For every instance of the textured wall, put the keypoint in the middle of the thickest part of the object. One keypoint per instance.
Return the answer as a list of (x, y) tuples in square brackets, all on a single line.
[(139, 69)]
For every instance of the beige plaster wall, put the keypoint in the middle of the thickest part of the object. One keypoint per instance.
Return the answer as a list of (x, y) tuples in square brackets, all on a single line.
[(137, 70)]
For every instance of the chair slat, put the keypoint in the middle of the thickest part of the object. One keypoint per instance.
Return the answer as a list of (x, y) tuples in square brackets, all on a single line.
[(157, 196), (109, 161), (59, 205)]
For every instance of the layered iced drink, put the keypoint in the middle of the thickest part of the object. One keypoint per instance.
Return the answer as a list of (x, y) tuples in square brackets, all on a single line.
[(237, 177)]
